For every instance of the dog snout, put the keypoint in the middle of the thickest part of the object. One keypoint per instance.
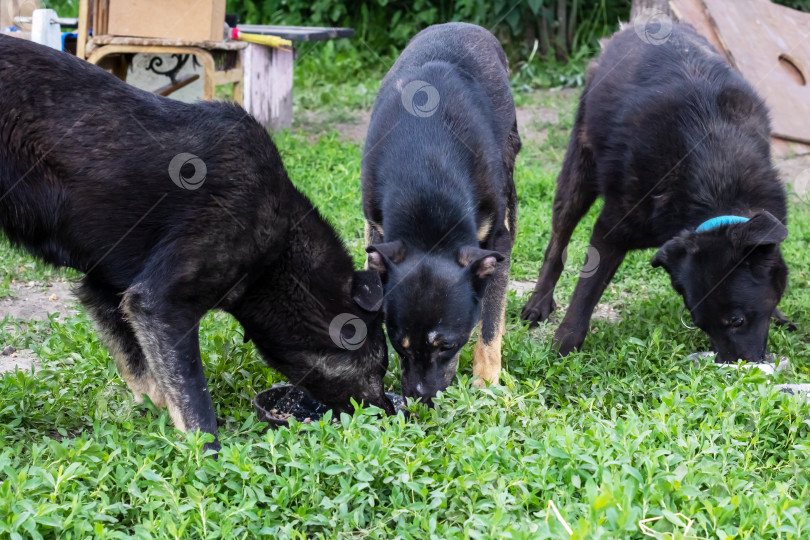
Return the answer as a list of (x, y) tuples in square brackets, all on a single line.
[(419, 390), (732, 352), (421, 393)]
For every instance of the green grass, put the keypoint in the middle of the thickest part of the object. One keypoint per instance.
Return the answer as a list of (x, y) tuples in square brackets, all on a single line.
[(625, 430)]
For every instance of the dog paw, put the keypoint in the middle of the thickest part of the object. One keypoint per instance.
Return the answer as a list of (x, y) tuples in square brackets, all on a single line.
[(482, 379), (215, 446), (487, 362), (538, 309), (785, 323), (567, 341)]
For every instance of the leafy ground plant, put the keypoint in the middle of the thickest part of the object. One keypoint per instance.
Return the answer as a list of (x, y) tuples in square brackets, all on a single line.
[(624, 439)]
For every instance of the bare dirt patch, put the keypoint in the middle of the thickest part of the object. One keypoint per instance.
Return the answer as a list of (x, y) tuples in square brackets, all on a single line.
[(795, 172), (521, 287), (533, 120), (33, 301), (355, 128), (23, 359), (36, 301), (603, 311), (351, 126), (534, 123)]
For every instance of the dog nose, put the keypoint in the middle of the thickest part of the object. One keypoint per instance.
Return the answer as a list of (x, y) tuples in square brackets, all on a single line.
[(422, 392)]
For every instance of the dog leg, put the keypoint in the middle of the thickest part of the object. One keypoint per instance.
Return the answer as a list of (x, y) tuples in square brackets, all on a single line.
[(168, 332), (574, 327), (487, 354), (103, 306), (373, 235), (576, 192)]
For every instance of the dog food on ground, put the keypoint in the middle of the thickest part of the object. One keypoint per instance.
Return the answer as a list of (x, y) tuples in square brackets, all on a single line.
[(798, 390), (281, 402)]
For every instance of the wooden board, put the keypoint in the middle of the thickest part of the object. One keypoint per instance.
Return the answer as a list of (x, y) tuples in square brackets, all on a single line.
[(755, 35), (198, 20), (298, 33), (268, 85), (780, 148), (692, 12)]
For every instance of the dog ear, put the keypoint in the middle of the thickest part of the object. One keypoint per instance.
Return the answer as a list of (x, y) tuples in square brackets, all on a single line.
[(736, 103), (481, 262), (671, 254), (761, 230), (381, 256), (367, 290)]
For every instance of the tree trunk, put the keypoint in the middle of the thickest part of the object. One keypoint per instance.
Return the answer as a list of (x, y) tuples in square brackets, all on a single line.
[(572, 26), (545, 40), (560, 49)]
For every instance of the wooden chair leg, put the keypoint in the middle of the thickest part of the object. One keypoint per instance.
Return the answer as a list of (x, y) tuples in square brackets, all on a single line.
[(239, 91), (239, 84), (207, 61), (121, 66)]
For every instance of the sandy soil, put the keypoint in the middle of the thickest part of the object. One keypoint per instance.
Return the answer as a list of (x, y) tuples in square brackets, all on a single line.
[(24, 360), (36, 301)]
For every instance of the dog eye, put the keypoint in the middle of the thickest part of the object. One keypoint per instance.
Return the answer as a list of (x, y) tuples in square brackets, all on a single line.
[(445, 347), (736, 321)]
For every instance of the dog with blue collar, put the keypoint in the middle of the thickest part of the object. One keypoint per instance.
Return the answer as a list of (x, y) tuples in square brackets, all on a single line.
[(676, 142)]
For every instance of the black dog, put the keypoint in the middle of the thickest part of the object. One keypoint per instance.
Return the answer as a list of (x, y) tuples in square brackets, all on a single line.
[(671, 136), (172, 210), (437, 183)]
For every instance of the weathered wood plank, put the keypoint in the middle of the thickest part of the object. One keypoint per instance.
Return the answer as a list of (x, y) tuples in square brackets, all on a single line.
[(268, 85), (298, 33)]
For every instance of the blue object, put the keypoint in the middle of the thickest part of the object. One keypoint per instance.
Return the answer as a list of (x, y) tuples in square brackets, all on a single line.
[(66, 35), (719, 221)]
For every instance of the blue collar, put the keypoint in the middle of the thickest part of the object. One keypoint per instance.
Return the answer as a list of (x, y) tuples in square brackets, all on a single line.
[(719, 221)]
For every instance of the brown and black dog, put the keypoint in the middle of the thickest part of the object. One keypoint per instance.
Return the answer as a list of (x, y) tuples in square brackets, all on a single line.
[(440, 203), (171, 210), (678, 145)]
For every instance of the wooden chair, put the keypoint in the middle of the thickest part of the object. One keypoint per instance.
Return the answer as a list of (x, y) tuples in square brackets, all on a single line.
[(220, 60)]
